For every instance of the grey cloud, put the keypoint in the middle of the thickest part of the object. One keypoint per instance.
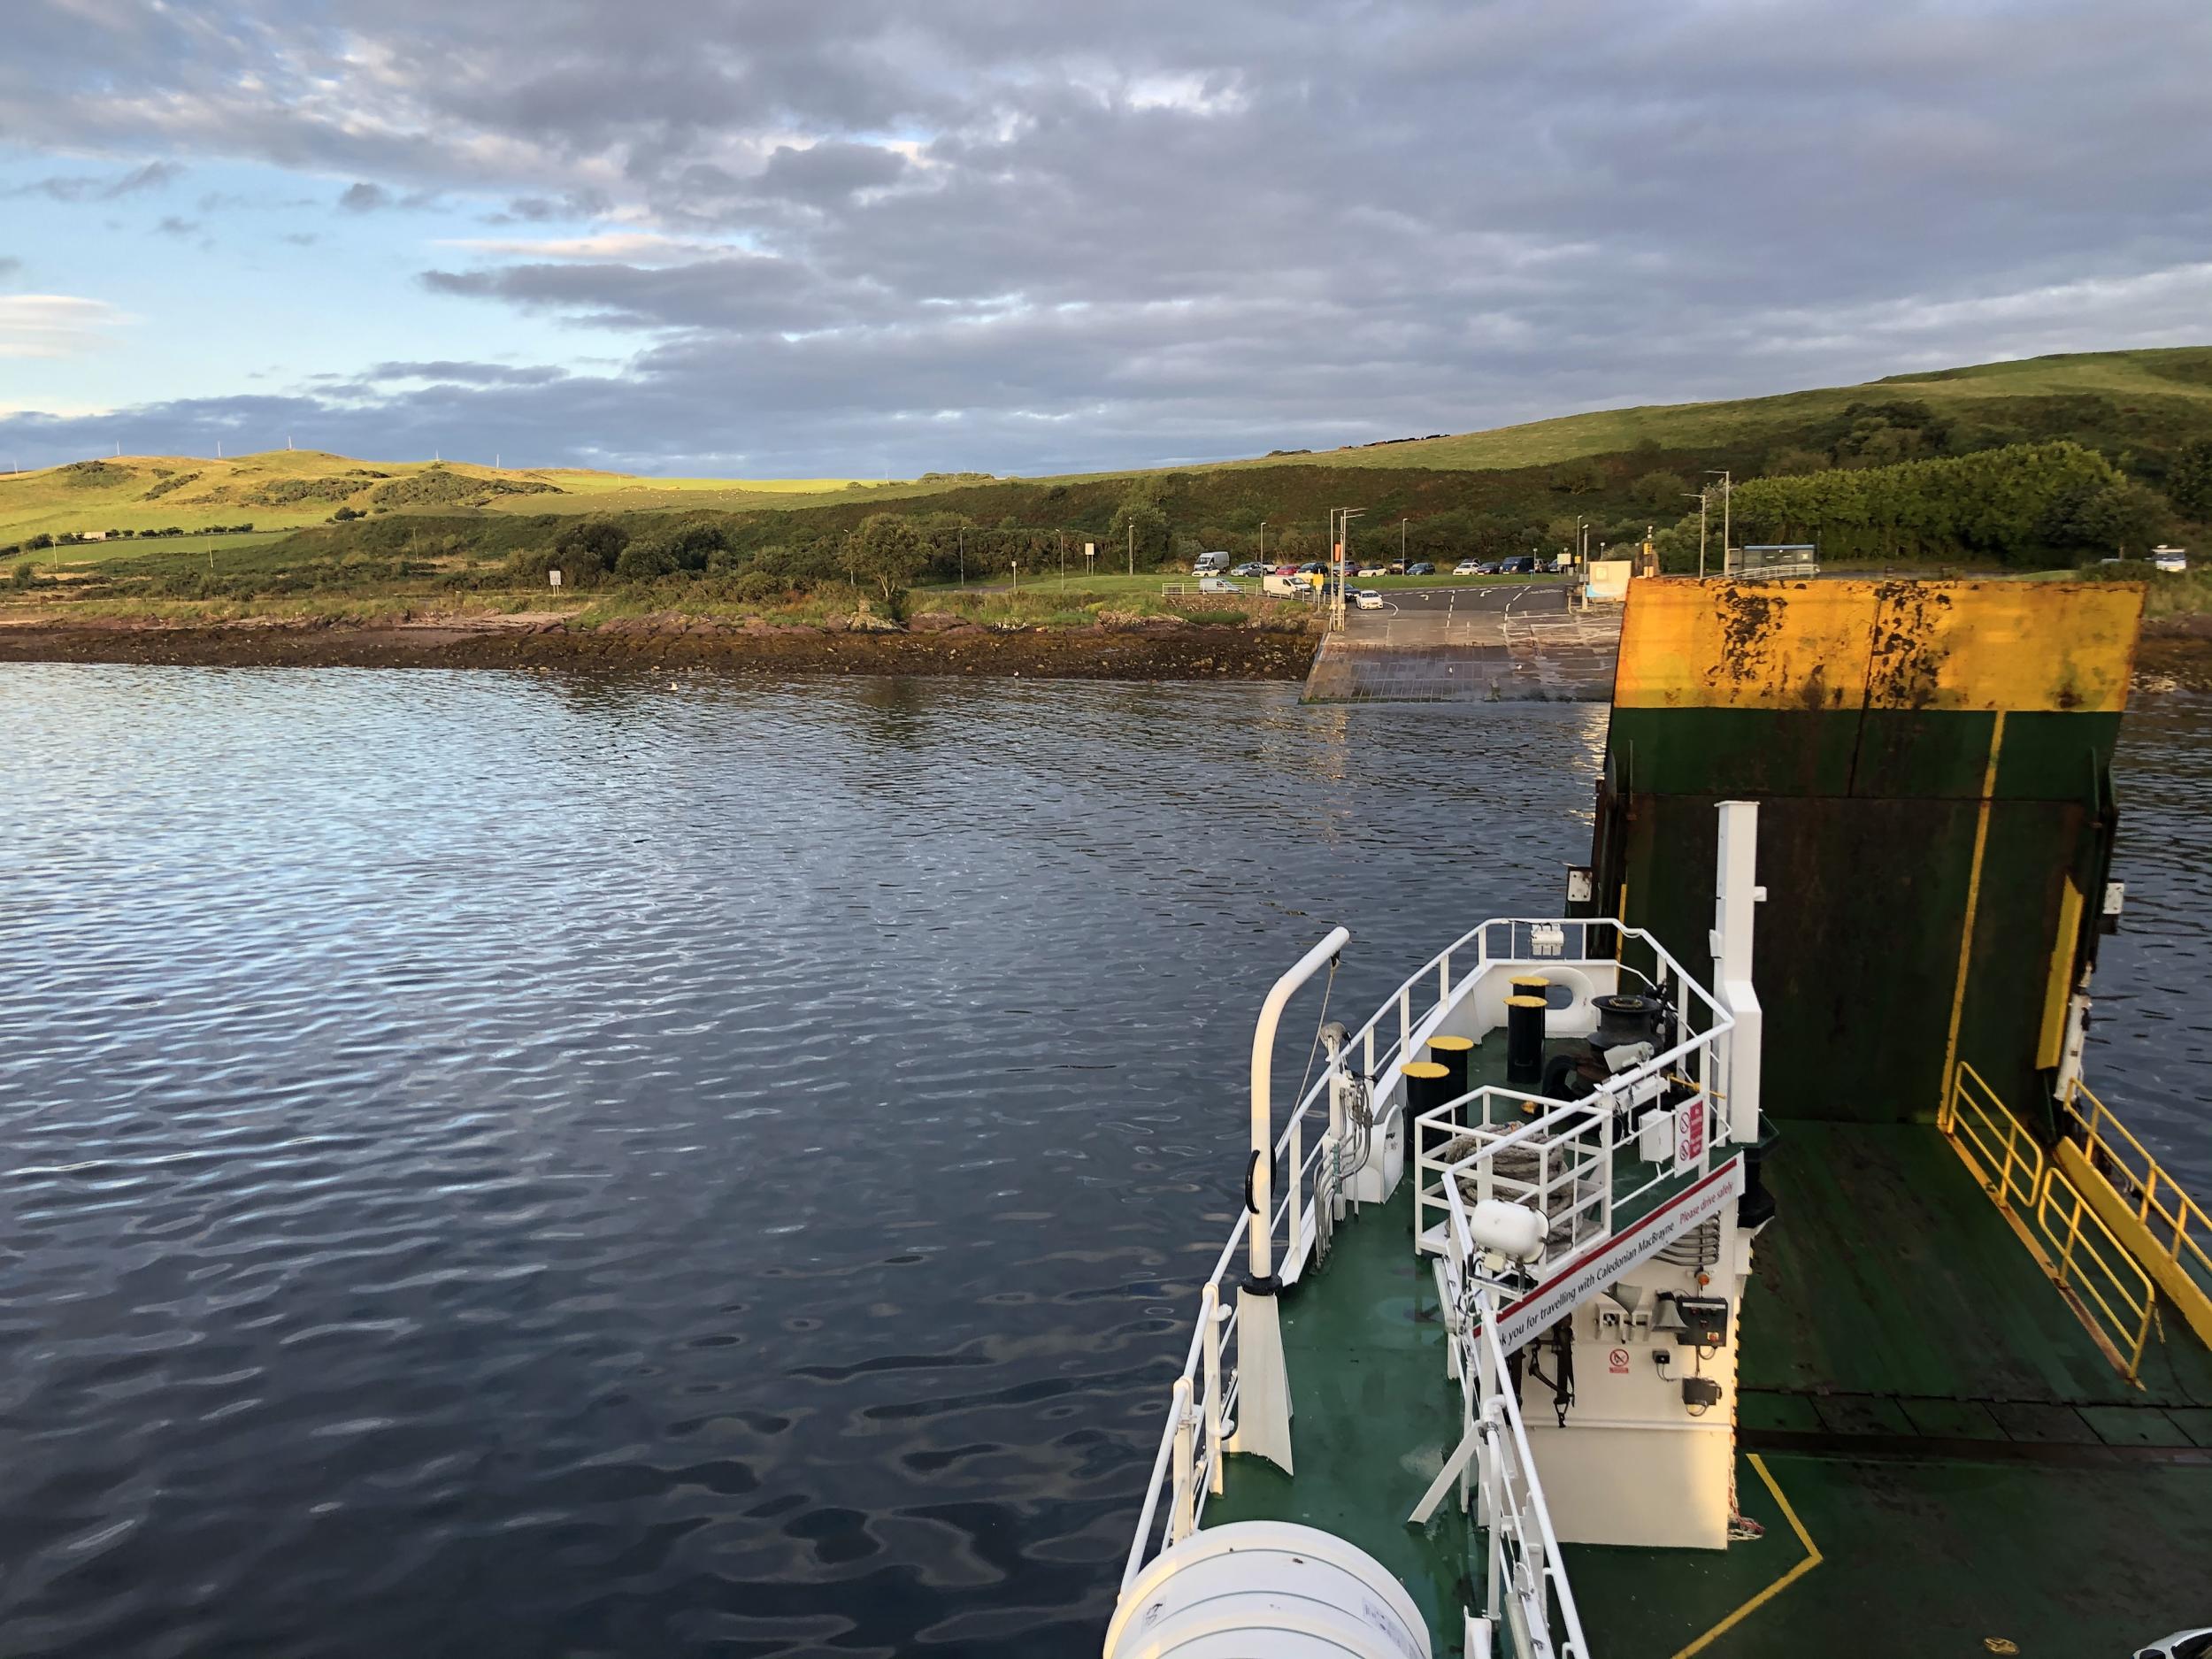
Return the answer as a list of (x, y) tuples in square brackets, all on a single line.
[(154, 175), (1153, 231), (538, 210), (171, 225), (465, 373), (823, 171), (9, 266)]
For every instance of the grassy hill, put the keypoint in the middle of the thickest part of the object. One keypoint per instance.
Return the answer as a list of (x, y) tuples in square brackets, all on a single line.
[(2099, 397), (286, 489), (1491, 491)]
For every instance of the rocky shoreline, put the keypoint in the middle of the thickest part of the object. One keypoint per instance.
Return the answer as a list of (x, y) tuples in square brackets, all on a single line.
[(1160, 649)]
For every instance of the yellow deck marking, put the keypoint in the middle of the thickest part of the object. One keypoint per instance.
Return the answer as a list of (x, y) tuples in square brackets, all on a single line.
[(1973, 899), (1812, 1559)]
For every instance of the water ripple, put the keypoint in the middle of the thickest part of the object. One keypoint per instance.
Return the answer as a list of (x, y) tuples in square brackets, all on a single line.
[(517, 1165)]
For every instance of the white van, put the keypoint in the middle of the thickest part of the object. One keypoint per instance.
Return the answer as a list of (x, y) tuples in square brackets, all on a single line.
[(1210, 564)]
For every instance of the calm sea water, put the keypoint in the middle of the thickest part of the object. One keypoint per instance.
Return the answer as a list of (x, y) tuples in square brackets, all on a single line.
[(500, 1165)]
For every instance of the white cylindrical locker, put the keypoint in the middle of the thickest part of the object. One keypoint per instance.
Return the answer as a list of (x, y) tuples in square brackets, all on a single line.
[(1266, 1590)]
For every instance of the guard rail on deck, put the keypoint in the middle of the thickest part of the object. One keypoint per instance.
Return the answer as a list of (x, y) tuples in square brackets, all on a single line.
[(1188, 1467), (2108, 1288), (2178, 1230), (1525, 1596)]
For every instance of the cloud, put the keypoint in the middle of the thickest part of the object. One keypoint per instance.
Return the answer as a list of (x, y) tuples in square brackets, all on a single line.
[(9, 266), (54, 324), (465, 373), (617, 245), (171, 225), (154, 175), (1023, 237)]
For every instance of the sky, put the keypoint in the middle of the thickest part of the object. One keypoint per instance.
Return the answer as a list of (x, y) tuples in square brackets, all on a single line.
[(871, 238)]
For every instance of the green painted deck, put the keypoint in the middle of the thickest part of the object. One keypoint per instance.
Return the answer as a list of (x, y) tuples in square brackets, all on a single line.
[(1966, 1462), (1374, 1415)]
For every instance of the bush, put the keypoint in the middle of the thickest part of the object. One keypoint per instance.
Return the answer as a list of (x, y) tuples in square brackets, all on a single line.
[(643, 562), (693, 546), (25, 573)]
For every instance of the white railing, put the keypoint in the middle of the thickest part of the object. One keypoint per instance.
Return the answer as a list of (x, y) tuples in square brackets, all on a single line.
[(1525, 1595), (1304, 1167)]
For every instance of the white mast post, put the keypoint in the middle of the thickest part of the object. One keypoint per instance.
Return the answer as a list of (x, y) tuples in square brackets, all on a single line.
[(1736, 890), (1263, 1380)]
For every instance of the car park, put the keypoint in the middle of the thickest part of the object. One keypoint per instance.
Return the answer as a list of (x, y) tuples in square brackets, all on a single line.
[(1367, 599)]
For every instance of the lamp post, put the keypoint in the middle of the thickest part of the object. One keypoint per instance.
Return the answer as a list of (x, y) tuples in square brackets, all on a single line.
[(1727, 500), (1262, 554), (1344, 517)]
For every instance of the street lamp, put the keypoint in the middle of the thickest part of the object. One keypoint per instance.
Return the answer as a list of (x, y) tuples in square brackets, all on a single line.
[(1727, 496), (1344, 517), (1262, 554)]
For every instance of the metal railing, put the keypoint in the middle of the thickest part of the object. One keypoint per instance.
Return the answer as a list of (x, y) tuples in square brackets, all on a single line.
[(2177, 1225), (1188, 1466), (1525, 1592), (2108, 1288), (2006, 1159)]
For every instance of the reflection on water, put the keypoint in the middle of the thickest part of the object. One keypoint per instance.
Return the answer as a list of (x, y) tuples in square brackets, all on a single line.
[(506, 1165)]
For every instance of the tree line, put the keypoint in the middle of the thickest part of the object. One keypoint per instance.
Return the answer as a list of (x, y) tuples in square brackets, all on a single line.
[(2023, 504)]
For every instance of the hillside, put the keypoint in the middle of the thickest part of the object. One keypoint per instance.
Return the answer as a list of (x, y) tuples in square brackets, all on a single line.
[(1489, 492), (2094, 397), (286, 489)]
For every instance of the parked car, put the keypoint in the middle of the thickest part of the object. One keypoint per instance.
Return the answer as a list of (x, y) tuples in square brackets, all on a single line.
[(2173, 560), (1218, 585), (1367, 599), (2183, 1644), (1250, 567), (1371, 570), (1422, 568), (1467, 567), (1313, 568), (1520, 565)]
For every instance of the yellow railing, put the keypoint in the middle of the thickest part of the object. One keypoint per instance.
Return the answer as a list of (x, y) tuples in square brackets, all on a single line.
[(2003, 1156), (2179, 1228), (2096, 1270), (2100, 1278)]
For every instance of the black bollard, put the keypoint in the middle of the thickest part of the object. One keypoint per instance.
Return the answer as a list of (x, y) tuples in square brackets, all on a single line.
[(1525, 1041), (1428, 1085)]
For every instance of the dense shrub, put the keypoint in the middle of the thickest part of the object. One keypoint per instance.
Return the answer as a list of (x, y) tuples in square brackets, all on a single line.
[(2023, 504)]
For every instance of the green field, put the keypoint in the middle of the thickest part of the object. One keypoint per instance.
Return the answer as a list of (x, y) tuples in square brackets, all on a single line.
[(287, 490), (2117, 401), (2174, 383), (1612, 475)]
